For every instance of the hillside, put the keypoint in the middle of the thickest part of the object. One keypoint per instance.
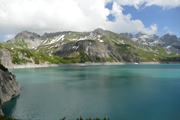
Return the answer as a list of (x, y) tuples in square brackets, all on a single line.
[(80, 47)]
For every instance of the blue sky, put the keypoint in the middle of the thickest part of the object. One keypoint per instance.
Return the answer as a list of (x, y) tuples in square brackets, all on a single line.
[(167, 20), (40, 16)]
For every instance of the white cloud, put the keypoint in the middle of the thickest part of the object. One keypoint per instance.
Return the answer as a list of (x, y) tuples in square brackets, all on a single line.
[(6, 37), (51, 15), (166, 4), (153, 28), (167, 30), (9, 36), (77, 15), (124, 23)]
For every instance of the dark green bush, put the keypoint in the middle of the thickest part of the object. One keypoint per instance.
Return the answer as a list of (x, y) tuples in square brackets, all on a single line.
[(6, 118), (3, 68)]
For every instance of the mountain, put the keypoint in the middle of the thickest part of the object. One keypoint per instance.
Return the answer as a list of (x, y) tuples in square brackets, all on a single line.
[(80, 47), (166, 41), (26, 39)]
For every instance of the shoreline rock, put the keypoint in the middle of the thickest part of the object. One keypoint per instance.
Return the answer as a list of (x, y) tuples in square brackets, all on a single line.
[(1, 113), (9, 87)]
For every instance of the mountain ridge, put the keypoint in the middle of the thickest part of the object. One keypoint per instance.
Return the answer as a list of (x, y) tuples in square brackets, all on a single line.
[(171, 42), (80, 47)]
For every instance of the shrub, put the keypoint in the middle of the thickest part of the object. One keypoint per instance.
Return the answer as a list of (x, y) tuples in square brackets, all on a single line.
[(3, 68), (6, 118)]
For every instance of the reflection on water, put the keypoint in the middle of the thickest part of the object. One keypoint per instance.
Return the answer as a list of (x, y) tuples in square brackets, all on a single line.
[(140, 92), (10, 106)]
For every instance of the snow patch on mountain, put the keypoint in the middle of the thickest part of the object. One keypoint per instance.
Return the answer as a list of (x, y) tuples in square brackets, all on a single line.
[(56, 39), (167, 41)]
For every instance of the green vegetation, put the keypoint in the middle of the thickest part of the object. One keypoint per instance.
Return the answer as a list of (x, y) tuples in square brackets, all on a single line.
[(25, 55), (83, 57), (3, 68), (74, 59), (73, 35), (170, 59), (144, 53), (6, 118), (21, 43), (128, 52), (119, 48), (162, 51), (1, 45)]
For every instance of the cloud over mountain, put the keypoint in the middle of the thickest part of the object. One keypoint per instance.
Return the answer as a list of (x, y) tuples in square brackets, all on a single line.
[(79, 15)]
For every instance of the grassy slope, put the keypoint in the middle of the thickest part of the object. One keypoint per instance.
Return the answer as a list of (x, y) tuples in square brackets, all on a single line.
[(38, 56), (153, 53)]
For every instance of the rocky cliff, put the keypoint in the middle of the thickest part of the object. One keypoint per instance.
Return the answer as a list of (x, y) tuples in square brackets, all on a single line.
[(9, 87), (1, 113), (5, 57)]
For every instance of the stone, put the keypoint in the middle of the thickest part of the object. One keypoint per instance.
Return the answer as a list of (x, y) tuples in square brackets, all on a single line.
[(9, 87)]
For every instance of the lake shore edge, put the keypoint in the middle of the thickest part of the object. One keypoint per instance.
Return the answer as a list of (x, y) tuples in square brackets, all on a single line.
[(29, 65)]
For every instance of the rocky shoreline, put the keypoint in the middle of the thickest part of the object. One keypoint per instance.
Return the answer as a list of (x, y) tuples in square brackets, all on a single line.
[(54, 65), (29, 65), (9, 87)]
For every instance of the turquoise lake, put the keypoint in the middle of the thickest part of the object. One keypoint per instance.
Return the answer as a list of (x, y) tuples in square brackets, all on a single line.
[(119, 92)]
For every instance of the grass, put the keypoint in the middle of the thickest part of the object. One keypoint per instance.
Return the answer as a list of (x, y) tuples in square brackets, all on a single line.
[(1, 45), (38, 56), (162, 51), (128, 52), (21, 43)]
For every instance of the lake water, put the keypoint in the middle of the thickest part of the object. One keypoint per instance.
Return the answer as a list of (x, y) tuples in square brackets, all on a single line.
[(119, 92)]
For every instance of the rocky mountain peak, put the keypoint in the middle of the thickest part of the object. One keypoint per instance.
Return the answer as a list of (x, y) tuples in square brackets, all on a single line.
[(51, 35), (140, 34), (26, 39), (169, 38), (154, 36), (128, 35), (27, 35), (99, 31), (167, 41), (166, 36)]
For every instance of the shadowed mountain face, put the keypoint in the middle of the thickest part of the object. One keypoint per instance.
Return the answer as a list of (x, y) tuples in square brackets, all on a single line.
[(167, 41), (93, 46)]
